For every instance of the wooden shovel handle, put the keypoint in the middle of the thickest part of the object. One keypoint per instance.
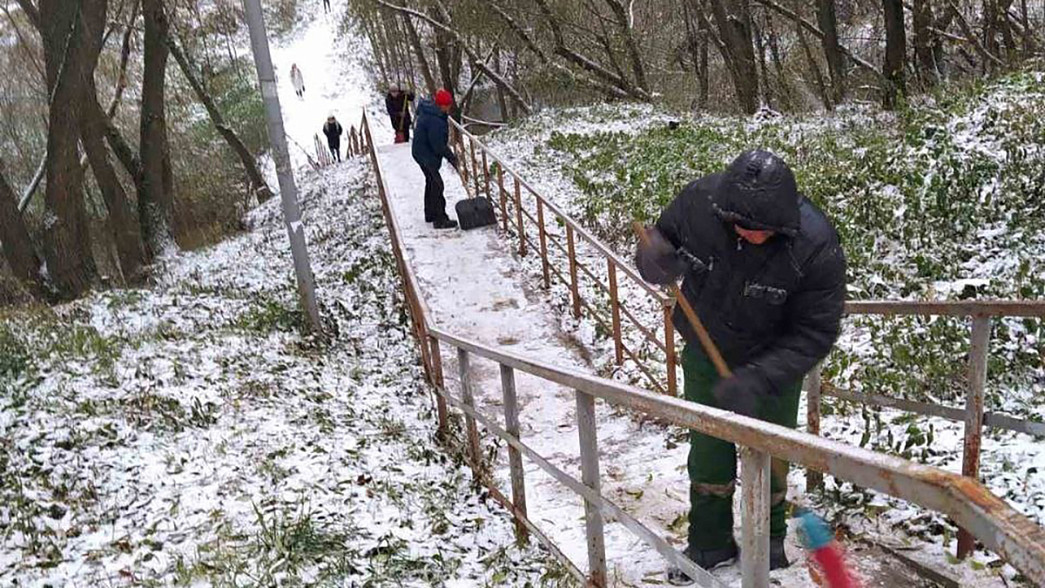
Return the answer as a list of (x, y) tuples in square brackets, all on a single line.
[(691, 316)]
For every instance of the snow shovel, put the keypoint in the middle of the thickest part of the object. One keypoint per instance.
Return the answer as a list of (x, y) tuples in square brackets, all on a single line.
[(474, 211)]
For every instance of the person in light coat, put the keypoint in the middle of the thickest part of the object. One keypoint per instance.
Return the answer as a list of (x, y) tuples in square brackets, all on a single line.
[(297, 80)]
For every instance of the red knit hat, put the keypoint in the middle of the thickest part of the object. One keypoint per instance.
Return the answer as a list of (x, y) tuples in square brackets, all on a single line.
[(443, 98)]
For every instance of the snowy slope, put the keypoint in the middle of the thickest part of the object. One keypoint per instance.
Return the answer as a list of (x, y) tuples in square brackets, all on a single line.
[(186, 434)]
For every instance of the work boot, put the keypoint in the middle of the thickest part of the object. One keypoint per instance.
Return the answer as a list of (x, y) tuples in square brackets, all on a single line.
[(777, 556), (708, 559), (444, 223)]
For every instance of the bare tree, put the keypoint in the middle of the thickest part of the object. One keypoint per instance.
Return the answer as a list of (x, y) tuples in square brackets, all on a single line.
[(155, 195), (828, 22), (14, 236), (66, 28), (733, 18), (921, 23), (895, 51), (247, 160)]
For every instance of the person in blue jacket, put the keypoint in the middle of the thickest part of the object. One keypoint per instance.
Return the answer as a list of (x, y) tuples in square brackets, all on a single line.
[(429, 149)]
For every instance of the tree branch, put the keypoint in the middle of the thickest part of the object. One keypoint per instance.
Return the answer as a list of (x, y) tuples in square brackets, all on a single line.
[(472, 55)]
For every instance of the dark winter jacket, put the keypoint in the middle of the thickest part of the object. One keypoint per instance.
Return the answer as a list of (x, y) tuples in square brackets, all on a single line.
[(775, 307), (333, 133), (430, 136), (396, 107)]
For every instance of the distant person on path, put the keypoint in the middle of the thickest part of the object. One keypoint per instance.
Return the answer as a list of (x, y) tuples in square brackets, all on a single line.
[(764, 270), (429, 150), (398, 112), (332, 129), (297, 80)]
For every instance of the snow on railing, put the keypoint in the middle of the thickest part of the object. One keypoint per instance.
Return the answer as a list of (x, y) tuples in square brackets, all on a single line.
[(1015, 537)]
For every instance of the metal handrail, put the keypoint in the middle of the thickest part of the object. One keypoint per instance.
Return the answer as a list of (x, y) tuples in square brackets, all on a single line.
[(999, 526), (989, 518)]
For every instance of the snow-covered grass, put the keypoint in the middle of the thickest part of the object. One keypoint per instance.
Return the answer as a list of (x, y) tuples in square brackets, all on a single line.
[(941, 201), (188, 433)]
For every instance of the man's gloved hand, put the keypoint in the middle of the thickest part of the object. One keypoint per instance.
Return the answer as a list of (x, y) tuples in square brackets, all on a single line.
[(742, 393), (658, 260)]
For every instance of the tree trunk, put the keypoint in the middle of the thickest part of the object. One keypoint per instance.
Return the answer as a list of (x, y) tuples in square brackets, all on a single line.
[(825, 95), (502, 102), (733, 18), (123, 223), (620, 14), (65, 28), (246, 158), (922, 17), (155, 201), (14, 236), (895, 52), (828, 23), (922, 22), (419, 51), (697, 42)]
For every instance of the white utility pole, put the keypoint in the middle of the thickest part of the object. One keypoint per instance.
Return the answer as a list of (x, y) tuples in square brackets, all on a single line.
[(287, 189)]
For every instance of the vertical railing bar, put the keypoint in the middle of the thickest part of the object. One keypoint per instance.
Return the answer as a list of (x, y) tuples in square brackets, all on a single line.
[(437, 373), (618, 345), (754, 512), (475, 164), (574, 288), (511, 424), (814, 479), (979, 345), (543, 239), (504, 198), (469, 400), (590, 476), (486, 175), (519, 218), (669, 349)]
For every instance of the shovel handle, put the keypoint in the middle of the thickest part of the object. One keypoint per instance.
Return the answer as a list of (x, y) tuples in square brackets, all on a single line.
[(691, 316)]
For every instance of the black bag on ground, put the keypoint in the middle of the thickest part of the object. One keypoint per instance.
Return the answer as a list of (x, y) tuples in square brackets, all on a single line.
[(473, 213)]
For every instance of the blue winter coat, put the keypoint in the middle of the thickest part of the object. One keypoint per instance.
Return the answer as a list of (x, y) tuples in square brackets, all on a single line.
[(430, 136)]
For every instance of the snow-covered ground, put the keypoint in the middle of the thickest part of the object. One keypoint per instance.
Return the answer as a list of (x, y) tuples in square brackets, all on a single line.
[(186, 434)]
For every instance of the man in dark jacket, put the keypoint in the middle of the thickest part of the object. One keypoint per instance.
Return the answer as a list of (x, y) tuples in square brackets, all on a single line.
[(764, 270), (429, 149), (398, 112), (332, 129)]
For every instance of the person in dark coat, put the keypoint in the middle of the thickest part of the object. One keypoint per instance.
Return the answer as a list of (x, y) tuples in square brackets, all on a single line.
[(429, 149), (398, 112), (332, 129), (764, 270)]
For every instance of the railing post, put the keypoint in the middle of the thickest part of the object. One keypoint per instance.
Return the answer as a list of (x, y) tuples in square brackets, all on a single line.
[(511, 424), (475, 164), (669, 349), (437, 375), (486, 175), (504, 199), (590, 477), (519, 218), (574, 291), (469, 401), (754, 512), (618, 345), (978, 348), (814, 479), (542, 234)]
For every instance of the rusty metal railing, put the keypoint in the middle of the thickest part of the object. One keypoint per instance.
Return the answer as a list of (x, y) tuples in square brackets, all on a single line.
[(988, 518), (973, 415), (478, 156), (524, 211)]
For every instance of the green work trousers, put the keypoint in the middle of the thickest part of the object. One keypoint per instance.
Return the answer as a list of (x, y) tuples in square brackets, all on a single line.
[(713, 462)]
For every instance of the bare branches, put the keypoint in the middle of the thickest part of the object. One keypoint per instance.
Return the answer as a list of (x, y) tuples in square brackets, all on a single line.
[(472, 54)]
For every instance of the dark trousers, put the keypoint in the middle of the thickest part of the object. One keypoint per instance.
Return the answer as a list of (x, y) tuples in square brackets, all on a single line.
[(401, 126), (713, 462), (435, 203), (335, 149)]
